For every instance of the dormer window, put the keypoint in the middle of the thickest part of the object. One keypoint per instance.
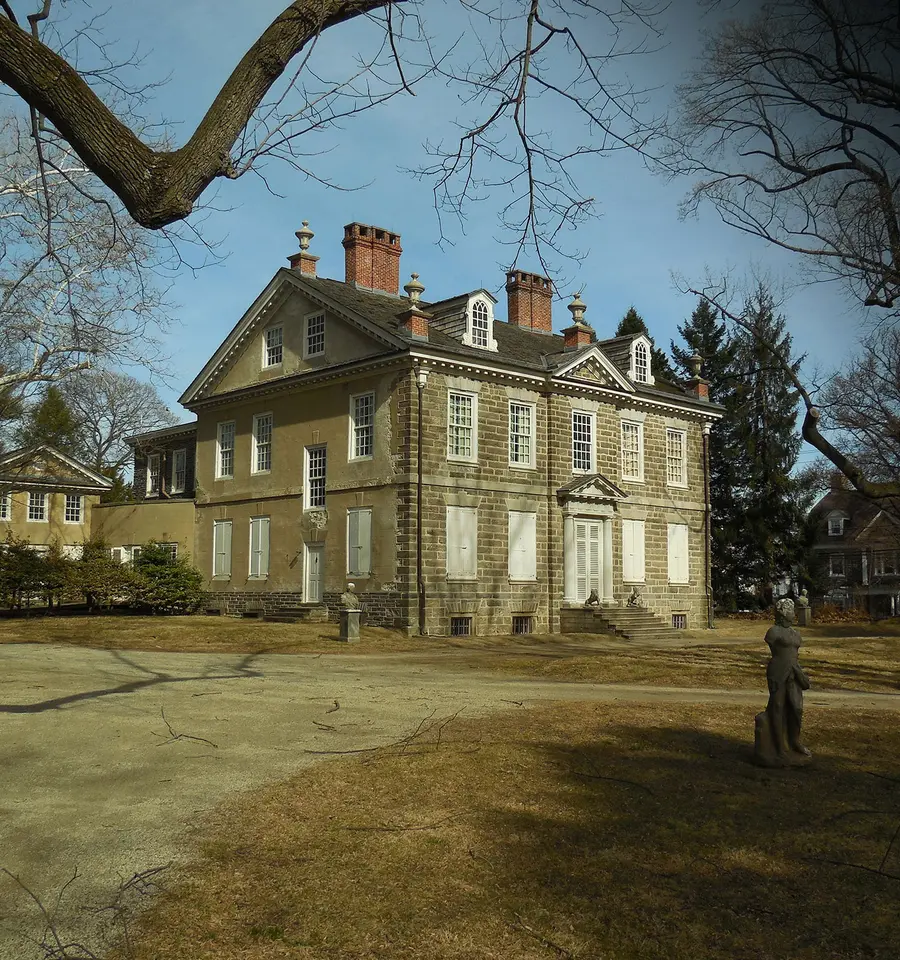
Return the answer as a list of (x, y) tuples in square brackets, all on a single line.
[(640, 369), (479, 331), (836, 525)]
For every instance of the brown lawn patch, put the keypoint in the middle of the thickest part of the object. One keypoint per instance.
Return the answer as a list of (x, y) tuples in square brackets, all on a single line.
[(575, 831)]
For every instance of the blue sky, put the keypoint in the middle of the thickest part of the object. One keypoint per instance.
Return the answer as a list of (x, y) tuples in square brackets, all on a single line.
[(634, 245)]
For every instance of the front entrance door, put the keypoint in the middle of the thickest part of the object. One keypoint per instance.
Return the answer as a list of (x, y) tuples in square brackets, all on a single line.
[(588, 558), (315, 568)]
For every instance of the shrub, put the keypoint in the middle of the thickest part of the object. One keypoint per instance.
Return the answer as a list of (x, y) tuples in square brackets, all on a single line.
[(98, 578), (165, 584), (21, 572)]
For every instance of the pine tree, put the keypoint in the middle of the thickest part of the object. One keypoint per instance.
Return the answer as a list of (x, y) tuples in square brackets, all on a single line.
[(51, 421), (633, 323)]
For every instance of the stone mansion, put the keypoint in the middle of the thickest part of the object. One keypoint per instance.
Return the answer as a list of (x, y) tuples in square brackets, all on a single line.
[(469, 473)]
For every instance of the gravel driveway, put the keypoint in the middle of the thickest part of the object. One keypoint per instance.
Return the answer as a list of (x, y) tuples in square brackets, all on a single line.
[(108, 759)]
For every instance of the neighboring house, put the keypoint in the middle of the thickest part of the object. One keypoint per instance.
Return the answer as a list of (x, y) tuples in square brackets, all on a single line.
[(47, 497), (470, 474), (858, 546)]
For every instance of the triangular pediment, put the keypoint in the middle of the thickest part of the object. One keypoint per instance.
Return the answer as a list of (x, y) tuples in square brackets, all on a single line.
[(46, 467), (593, 366), (594, 487)]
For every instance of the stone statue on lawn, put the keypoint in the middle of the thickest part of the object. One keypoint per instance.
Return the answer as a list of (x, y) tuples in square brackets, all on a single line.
[(778, 726)]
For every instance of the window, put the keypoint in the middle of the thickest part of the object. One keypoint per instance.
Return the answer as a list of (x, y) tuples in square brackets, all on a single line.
[(362, 426), (480, 325), (153, 472), (633, 551), (315, 478), (679, 621), (641, 362), (5, 506), (582, 442), (885, 563), (37, 506), (274, 348), (522, 545), (836, 565), (632, 450), (261, 456), (521, 434), (314, 340), (521, 624), (225, 458), (462, 538), (359, 541), (835, 526), (135, 553), (179, 471), (460, 626), (117, 554), (676, 461), (462, 437), (221, 548), (171, 549), (259, 547), (74, 511), (678, 553)]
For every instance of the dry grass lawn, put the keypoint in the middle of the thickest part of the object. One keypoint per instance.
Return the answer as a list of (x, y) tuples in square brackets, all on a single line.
[(613, 831)]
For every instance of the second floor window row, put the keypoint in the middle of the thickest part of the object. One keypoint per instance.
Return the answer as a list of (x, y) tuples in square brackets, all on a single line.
[(225, 465), (262, 443), (316, 461), (362, 427), (461, 426), (582, 442)]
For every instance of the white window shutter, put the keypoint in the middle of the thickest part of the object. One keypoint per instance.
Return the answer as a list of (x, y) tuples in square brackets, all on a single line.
[(678, 553), (581, 560), (639, 550), (359, 541), (454, 552), (593, 546), (222, 548), (470, 542), (627, 551), (522, 545), (263, 546)]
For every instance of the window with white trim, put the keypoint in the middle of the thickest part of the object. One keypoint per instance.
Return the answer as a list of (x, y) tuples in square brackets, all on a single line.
[(37, 506), (836, 565), (521, 434), (678, 553), (462, 426), (641, 362), (835, 525), (481, 325), (74, 512), (522, 545), (117, 554), (359, 541), (316, 464), (225, 451), (222, 548), (171, 549), (274, 347), (5, 506), (179, 470), (362, 426), (885, 563), (462, 543), (154, 461), (633, 551), (259, 548), (632, 450), (582, 442), (314, 335), (261, 455), (676, 458)]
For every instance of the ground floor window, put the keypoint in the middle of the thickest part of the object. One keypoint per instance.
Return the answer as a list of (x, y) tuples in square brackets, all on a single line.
[(679, 621), (460, 626), (522, 623)]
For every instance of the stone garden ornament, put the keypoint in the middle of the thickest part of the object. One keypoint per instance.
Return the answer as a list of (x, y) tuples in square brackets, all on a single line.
[(778, 726)]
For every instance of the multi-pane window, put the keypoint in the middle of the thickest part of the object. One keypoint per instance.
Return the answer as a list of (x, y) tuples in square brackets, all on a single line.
[(221, 548), (315, 335), (582, 442), (171, 549), (641, 363), (359, 541), (37, 506), (362, 426), (259, 547), (274, 346), (262, 443), (835, 526), (461, 436), (225, 459), (462, 543), (315, 477), (521, 434), (480, 324), (885, 563), (676, 473), (632, 450), (179, 471), (74, 511), (5, 506), (836, 565), (154, 461), (678, 553)]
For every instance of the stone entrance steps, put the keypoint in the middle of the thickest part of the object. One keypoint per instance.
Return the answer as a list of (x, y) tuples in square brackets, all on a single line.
[(299, 613), (632, 623)]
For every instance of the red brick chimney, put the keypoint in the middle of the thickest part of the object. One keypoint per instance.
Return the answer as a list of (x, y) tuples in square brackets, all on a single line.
[(529, 297), (696, 384), (372, 257), (304, 261)]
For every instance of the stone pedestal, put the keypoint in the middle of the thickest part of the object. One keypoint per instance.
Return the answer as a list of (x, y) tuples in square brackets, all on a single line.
[(349, 626), (804, 616)]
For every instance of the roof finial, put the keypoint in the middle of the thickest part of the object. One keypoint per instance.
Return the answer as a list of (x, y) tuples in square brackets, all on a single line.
[(304, 235), (414, 289), (577, 308), (695, 361)]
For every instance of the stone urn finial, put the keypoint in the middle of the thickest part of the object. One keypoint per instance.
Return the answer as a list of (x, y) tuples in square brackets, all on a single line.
[(414, 289), (577, 308), (695, 361), (304, 235)]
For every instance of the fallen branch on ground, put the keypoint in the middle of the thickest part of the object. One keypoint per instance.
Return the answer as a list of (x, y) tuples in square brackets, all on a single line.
[(173, 736)]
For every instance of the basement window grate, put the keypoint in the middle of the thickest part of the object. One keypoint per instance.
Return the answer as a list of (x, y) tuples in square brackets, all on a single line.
[(522, 624), (679, 621), (460, 626)]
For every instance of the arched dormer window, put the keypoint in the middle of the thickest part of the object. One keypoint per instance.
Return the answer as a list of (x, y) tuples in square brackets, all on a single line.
[(836, 521), (641, 362), (481, 325)]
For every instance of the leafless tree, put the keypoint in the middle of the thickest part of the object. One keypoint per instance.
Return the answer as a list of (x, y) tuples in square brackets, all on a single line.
[(541, 88), (110, 406)]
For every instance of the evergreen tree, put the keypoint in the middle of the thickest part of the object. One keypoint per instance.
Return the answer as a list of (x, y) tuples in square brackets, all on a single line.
[(633, 323), (51, 421)]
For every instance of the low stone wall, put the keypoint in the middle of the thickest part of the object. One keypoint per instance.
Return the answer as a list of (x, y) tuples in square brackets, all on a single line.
[(381, 609)]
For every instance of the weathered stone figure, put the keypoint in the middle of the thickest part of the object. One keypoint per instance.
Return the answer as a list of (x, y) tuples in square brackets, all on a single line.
[(349, 600), (804, 614), (593, 600), (349, 615), (778, 726), (634, 598)]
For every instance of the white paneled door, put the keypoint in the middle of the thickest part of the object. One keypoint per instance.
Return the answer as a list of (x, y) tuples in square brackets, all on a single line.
[(315, 571)]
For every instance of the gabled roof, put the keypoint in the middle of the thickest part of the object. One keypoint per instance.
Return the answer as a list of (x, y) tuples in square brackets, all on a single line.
[(592, 356), (17, 468), (862, 511), (592, 486), (163, 433)]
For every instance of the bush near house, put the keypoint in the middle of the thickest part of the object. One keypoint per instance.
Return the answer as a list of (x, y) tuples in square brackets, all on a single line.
[(98, 579), (163, 583), (21, 572)]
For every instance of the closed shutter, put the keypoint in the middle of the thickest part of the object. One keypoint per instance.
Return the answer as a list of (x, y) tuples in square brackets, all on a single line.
[(581, 568), (633, 551), (222, 548), (259, 547), (522, 545), (359, 542), (678, 553), (462, 532)]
